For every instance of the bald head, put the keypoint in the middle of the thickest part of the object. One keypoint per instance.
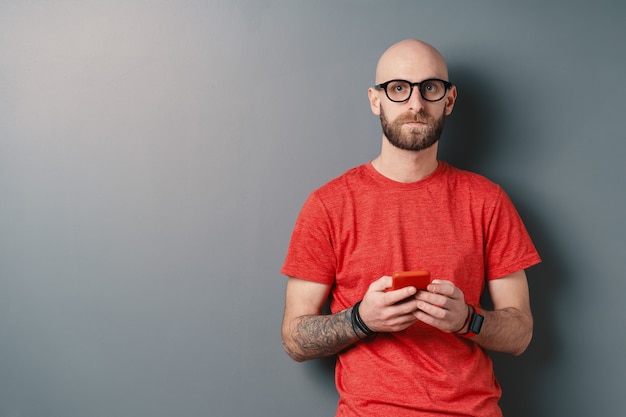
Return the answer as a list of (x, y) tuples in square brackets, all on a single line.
[(411, 60)]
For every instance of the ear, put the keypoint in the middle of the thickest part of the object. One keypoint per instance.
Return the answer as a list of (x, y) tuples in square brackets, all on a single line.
[(450, 100), (374, 99)]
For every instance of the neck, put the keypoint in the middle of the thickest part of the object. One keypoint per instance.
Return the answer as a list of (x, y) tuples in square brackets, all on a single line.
[(406, 166)]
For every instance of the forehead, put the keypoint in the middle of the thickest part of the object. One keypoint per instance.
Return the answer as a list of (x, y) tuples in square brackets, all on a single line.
[(413, 62)]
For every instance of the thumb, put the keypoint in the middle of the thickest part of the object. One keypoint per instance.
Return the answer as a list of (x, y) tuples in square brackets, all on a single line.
[(381, 284)]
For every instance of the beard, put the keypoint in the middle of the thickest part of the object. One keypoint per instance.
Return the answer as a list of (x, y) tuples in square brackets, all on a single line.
[(415, 138)]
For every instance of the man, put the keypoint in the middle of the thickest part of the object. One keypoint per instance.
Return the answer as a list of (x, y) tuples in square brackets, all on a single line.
[(408, 352)]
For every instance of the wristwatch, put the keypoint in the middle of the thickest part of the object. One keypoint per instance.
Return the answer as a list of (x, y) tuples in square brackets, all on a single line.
[(475, 323)]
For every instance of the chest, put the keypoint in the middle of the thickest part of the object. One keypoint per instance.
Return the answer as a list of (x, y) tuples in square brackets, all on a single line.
[(373, 237)]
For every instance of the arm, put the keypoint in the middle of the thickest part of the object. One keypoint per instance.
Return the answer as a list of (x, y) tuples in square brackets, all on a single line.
[(508, 328), (308, 334)]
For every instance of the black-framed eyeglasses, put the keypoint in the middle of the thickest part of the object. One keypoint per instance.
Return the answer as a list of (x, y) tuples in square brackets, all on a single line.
[(398, 91)]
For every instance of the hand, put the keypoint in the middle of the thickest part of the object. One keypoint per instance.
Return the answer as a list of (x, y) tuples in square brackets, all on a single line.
[(442, 306), (388, 311)]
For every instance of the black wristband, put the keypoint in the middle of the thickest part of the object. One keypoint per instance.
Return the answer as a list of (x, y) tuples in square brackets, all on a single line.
[(357, 321), (354, 326)]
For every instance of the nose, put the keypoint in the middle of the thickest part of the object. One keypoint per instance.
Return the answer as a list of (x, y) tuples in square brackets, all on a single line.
[(415, 101)]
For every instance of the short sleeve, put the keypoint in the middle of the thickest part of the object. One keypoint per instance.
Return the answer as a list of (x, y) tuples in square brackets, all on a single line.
[(310, 254), (509, 248)]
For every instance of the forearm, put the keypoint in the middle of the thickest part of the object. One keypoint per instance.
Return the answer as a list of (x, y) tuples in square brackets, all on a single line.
[(318, 336), (508, 330)]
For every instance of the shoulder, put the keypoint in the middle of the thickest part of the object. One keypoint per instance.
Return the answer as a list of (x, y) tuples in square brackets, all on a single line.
[(333, 195), (460, 179), (353, 179)]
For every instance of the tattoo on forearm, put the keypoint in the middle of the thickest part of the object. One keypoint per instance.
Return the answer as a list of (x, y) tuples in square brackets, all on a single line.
[(321, 336)]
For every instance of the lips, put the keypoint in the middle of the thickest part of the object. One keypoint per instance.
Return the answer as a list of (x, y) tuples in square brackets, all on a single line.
[(415, 123), (407, 120)]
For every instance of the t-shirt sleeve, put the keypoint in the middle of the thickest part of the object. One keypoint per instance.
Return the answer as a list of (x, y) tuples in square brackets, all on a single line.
[(310, 254), (509, 247)]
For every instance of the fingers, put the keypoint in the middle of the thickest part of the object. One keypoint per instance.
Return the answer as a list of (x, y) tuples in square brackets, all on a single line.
[(443, 287), (381, 284), (383, 310), (398, 316), (442, 306), (390, 297)]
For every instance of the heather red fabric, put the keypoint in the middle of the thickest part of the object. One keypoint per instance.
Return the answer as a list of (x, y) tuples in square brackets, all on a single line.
[(456, 224)]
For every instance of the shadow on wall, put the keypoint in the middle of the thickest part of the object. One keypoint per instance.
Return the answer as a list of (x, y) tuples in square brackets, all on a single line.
[(470, 142), (519, 375)]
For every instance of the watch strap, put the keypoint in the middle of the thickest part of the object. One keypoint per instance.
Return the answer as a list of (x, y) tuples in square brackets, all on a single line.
[(475, 323)]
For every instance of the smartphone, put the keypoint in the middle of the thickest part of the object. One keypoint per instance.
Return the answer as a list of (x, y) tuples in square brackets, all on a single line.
[(418, 279)]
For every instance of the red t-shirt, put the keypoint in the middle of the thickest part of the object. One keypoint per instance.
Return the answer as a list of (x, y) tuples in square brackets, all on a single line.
[(456, 224)]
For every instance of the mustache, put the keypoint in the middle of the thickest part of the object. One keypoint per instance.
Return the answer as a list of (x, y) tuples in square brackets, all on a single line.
[(417, 117)]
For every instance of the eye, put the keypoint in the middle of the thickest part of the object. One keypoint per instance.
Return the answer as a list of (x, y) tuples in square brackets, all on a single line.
[(398, 90), (397, 87), (432, 87)]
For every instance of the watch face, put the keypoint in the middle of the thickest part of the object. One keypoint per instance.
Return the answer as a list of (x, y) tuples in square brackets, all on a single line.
[(476, 323)]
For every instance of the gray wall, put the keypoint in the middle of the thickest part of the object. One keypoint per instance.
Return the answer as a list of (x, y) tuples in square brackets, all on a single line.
[(154, 156)]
